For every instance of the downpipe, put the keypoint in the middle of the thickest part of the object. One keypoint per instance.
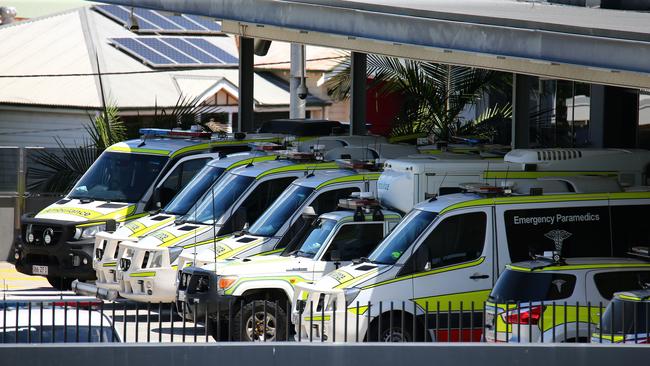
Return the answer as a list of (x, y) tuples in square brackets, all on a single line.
[(88, 289)]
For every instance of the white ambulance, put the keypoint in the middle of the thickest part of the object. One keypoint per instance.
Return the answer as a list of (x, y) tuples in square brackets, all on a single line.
[(436, 269), (405, 182), (57, 242), (237, 199), (106, 243)]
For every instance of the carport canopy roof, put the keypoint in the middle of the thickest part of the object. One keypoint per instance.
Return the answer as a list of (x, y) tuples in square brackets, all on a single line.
[(565, 42)]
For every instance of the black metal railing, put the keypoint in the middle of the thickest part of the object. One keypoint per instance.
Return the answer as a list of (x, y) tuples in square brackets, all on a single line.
[(65, 321)]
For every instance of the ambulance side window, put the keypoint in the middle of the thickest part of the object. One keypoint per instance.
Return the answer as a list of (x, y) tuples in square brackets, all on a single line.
[(329, 201), (630, 228), (355, 241), (183, 173), (256, 203), (608, 283), (456, 239), (325, 202), (177, 179)]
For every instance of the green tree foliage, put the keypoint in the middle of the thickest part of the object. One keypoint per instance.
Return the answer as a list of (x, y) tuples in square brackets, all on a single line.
[(434, 95), (57, 172)]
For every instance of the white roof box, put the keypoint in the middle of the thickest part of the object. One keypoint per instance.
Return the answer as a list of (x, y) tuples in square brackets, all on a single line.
[(537, 156)]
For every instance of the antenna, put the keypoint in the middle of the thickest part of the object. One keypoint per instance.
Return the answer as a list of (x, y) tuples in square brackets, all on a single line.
[(214, 232), (250, 163), (195, 236), (441, 183)]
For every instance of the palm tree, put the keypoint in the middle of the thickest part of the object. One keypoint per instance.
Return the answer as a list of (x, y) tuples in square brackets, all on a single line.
[(434, 95), (58, 173)]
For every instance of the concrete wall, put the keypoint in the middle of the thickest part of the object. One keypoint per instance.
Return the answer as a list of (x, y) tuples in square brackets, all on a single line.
[(288, 354)]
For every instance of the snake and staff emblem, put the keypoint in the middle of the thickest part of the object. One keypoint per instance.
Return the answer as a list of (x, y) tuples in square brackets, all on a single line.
[(558, 237)]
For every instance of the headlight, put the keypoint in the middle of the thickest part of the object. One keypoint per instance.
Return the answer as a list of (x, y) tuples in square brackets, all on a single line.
[(174, 253), (225, 282), (351, 294), (29, 235), (88, 231)]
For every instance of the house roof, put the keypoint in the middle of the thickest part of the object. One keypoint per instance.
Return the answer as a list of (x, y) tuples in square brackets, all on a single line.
[(78, 42)]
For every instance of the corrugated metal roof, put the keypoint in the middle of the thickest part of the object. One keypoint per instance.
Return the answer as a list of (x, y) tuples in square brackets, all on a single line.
[(72, 42)]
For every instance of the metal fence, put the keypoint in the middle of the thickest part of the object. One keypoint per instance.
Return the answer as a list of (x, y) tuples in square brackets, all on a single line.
[(66, 321)]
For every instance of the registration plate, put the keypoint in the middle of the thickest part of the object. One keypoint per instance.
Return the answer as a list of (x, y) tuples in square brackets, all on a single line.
[(181, 295), (40, 270)]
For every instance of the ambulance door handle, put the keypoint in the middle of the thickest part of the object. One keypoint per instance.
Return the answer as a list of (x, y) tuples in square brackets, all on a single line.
[(478, 276)]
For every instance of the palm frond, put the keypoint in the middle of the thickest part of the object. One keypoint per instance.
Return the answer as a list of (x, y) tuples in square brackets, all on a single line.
[(106, 129), (57, 173)]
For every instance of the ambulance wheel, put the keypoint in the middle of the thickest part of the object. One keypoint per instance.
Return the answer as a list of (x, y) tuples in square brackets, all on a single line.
[(59, 283), (391, 334), (254, 325)]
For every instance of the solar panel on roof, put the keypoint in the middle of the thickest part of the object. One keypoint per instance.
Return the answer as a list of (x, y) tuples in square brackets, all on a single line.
[(188, 24), (167, 50), (209, 24), (151, 21), (189, 49), (213, 50), (157, 20), (175, 51), (138, 49)]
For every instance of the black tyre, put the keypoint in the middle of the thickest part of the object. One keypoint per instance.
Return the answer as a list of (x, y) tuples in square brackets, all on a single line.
[(388, 333), (59, 283), (255, 325)]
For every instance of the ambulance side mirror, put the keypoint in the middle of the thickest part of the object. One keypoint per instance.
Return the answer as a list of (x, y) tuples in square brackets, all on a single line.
[(427, 266), (335, 256), (163, 195)]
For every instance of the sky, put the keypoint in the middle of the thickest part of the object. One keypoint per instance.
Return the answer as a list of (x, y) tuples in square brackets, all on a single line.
[(37, 8)]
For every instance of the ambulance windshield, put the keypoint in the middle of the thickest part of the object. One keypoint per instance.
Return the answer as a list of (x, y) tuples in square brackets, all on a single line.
[(215, 202), (188, 196), (314, 240), (119, 177), (405, 234), (280, 211)]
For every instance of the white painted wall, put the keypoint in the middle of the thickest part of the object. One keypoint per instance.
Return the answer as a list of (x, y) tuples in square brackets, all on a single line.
[(38, 127)]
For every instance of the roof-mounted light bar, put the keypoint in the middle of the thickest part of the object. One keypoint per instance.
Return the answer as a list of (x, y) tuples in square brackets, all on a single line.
[(265, 146), (297, 155), (486, 189), (358, 164), (161, 132), (357, 200)]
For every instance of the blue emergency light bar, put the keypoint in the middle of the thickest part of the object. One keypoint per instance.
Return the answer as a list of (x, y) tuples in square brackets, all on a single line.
[(162, 132)]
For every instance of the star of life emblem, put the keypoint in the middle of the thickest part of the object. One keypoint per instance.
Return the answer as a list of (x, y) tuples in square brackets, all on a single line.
[(558, 237)]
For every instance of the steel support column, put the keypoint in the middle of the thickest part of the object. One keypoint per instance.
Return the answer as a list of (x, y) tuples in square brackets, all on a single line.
[(358, 93), (613, 117), (521, 85), (296, 105), (245, 114)]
